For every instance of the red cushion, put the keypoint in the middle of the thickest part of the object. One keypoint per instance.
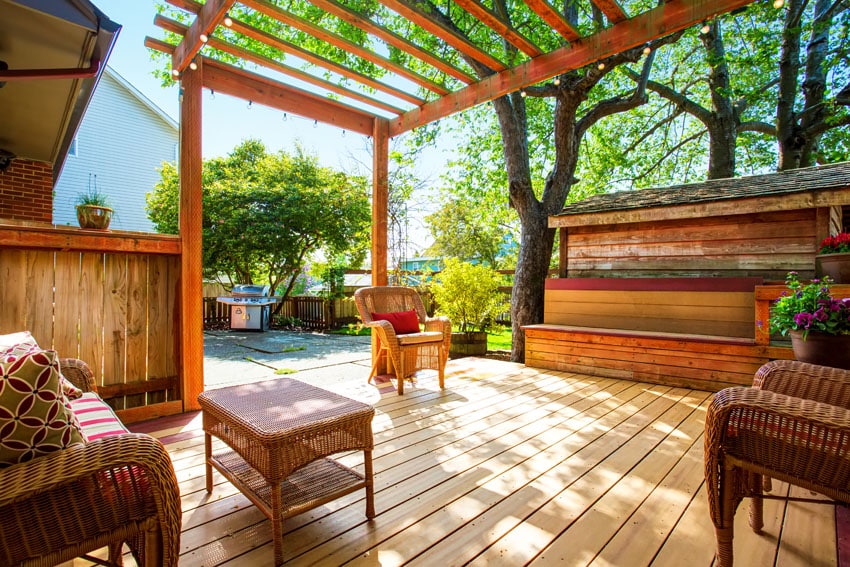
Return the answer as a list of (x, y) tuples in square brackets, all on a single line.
[(403, 322)]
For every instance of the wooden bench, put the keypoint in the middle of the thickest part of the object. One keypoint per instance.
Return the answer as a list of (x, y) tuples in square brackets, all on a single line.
[(692, 332)]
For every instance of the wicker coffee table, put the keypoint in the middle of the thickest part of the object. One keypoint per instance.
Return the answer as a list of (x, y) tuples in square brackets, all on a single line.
[(279, 434)]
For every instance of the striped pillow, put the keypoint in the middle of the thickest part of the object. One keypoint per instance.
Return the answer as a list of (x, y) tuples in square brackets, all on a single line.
[(96, 417)]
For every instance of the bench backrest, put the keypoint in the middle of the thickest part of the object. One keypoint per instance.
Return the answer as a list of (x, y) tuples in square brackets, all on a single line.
[(696, 306)]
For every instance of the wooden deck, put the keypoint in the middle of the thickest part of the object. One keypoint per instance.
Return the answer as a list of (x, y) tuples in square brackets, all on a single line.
[(508, 466)]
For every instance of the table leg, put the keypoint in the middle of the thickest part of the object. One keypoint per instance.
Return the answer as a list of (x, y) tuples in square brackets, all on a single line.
[(208, 454), (277, 522), (370, 485)]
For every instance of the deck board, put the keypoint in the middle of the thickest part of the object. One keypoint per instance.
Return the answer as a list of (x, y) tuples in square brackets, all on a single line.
[(508, 466)]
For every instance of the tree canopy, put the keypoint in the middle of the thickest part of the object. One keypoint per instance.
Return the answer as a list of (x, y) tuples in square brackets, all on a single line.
[(266, 213)]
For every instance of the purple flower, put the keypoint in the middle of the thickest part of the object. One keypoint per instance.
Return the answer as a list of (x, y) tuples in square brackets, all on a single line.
[(803, 320), (821, 315)]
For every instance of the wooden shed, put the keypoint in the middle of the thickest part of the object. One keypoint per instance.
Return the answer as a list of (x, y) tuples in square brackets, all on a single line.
[(673, 285), (763, 225)]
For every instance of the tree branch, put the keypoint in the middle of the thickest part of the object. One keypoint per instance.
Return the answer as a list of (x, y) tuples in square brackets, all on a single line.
[(757, 126)]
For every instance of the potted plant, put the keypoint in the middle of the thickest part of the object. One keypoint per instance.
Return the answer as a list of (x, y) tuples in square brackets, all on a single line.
[(93, 210), (833, 258), (469, 296), (818, 323)]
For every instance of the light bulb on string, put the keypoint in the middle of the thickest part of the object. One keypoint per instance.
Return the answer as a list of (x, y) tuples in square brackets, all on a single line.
[(204, 38), (284, 117), (705, 28), (523, 94), (343, 133), (778, 3), (315, 123), (601, 66), (647, 50), (193, 66), (212, 94), (228, 21), (175, 73), (557, 81), (250, 104)]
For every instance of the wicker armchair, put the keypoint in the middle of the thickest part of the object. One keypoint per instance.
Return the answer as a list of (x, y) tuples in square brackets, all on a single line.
[(406, 353), (110, 491), (792, 425)]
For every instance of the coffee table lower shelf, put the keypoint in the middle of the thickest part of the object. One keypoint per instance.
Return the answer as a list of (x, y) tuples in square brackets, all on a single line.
[(314, 484)]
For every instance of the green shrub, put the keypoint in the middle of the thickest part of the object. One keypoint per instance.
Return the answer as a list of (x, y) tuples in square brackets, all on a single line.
[(469, 295)]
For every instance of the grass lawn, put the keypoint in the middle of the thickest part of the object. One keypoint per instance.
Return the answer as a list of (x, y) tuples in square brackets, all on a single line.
[(496, 340)]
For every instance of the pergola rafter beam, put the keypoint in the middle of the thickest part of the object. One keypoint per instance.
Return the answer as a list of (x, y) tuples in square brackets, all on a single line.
[(552, 17), (208, 18), (230, 80), (242, 53), (670, 17), (450, 36), (392, 38), (612, 10), (495, 23), (336, 40), (312, 58)]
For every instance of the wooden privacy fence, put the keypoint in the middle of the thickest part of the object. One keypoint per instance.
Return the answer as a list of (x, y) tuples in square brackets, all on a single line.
[(116, 311), (314, 313)]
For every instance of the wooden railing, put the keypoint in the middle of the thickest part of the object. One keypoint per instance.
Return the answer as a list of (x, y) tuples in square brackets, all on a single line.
[(108, 298)]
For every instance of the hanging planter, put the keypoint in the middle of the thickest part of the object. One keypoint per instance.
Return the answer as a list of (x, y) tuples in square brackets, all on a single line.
[(93, 211), (833, 258), (94, 217)]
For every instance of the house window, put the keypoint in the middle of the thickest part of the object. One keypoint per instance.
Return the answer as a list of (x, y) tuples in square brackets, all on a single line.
[(72, 149)]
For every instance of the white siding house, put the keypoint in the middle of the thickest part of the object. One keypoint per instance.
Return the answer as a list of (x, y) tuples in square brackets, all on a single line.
[(123, 140)]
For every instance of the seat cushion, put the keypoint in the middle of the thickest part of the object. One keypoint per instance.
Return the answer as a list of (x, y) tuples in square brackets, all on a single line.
[(403, 322), (417, 338), (96, 417), (34, 416)]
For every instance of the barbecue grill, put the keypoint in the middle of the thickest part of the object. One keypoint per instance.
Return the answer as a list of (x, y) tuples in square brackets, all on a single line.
[(250, 306)]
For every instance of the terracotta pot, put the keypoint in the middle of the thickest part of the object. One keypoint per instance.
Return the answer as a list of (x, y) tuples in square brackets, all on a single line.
[(837, 266), (94, 216), (468, 344), (822, 349)]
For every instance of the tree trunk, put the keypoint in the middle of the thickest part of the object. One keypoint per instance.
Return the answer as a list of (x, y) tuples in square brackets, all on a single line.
[(789, 66), (722, 123), (535, 249)]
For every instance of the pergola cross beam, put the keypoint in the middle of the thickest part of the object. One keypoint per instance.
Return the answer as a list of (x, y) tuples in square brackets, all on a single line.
[(208, 19)]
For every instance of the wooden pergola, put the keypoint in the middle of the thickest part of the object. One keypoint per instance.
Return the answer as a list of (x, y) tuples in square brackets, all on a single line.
[(370, 106)]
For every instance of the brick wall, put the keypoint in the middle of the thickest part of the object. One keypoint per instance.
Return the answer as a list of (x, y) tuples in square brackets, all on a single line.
[(26, 191)]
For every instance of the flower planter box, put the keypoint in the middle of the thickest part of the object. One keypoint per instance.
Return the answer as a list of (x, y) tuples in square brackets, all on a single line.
[(836, 266), (468, 344)]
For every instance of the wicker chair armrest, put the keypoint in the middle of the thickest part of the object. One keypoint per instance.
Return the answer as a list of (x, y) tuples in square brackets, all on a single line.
[(384, 328), (441, 324), (78, 464), (793, 439), (78, 373), (803, 380)]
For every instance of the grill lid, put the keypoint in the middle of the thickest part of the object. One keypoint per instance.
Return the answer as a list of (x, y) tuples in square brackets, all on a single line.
[(250, 290)]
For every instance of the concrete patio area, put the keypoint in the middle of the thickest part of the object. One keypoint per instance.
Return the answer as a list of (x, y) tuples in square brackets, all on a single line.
[(337, 362)]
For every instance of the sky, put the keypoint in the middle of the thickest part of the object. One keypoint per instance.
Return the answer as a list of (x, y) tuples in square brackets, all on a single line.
[(227, 120)]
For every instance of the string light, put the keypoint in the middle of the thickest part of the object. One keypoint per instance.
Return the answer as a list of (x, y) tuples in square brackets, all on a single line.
[(193, 66), (175, 73), (315, 123), (647, 50), (601, 66), (343, 133), (778, 3), (523, 94), (284, 117), (204, 38), (250, 104), (212, 94), (228, 21), (705, 28), (557, 81)]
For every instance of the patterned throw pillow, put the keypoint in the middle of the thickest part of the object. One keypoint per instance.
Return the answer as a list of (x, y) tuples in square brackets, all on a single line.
[(34, 417), (17, 344)]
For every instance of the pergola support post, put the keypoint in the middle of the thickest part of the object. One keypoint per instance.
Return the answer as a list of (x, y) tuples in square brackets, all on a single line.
[(380, 213), (191, 264)]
